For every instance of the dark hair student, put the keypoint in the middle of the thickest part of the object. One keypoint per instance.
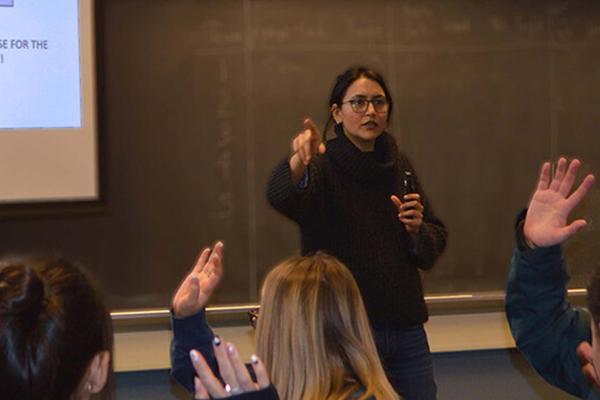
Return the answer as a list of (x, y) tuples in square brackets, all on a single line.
[(55, 331), (348, 198)]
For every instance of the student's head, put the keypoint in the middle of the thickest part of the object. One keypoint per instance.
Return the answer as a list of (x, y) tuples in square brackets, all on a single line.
[(55, 332), (313, 332), (360, 105)]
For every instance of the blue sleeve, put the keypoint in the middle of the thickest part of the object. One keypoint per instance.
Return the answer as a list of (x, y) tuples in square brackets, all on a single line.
[(190, 333), (546, 328)]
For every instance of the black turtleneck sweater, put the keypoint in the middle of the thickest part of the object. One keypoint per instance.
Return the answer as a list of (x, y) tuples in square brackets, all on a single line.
[(346, 211)]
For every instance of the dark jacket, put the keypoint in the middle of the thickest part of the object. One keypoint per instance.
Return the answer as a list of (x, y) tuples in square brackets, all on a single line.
[(346, 211)]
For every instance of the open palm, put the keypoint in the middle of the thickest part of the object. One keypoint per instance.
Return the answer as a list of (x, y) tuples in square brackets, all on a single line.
[(546, 220), (195, 290)]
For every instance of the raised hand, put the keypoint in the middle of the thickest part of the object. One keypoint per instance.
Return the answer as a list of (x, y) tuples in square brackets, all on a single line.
[(233, 371), (410, 212), (194, 291), (305, 145), (308, 142), (546, 220)]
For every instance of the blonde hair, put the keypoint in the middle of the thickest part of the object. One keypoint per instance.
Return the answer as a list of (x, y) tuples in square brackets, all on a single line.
[(313, 333)]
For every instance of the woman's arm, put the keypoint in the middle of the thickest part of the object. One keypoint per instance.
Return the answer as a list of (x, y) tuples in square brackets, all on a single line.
[(190, 328), (545, 327), (190, 333), (427, 231)]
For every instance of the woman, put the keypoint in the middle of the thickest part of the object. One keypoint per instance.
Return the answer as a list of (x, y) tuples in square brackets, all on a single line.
[(313, 335), (55, 332), (349, 199)]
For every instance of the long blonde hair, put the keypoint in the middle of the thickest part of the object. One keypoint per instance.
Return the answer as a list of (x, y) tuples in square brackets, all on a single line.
[(313, 333)]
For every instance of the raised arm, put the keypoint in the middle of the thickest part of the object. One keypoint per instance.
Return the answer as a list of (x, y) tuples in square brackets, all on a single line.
[(304, 146), (296, 180), (546, 328), (190, 328)]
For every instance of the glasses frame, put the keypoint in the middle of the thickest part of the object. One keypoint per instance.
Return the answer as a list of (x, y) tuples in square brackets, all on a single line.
[(369, 101)]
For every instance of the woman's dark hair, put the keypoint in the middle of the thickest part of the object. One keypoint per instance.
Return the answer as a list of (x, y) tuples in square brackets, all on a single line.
[(343, 82), (52, 324)]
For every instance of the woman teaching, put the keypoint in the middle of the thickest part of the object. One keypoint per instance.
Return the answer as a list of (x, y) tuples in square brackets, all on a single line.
[(348, 197)]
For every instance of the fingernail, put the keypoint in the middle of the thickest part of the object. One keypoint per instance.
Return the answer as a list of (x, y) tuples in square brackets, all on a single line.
[(217, 340), (230, 349), (194, 356), (254, 359)]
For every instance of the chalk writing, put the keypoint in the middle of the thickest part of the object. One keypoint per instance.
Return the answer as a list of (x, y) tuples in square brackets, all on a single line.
[(219, 36), (225, 199)]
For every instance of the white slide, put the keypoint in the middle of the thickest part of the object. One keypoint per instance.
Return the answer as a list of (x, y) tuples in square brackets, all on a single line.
[(48, 137), (39, 43)]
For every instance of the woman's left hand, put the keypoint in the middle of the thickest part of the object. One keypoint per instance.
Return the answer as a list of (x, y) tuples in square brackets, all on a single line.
[(410, 211), (233, 371), (195, 289)]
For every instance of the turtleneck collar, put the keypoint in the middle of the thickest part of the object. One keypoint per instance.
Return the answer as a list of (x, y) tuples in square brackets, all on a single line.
[(378, 168)]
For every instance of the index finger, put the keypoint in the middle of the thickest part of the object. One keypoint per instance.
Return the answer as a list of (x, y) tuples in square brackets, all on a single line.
[(218, 248), (315, 132), (216, 256)]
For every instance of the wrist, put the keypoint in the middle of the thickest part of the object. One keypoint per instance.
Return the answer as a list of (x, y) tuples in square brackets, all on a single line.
[(523, 240), (184, 312), (297, 168), (296, 163)]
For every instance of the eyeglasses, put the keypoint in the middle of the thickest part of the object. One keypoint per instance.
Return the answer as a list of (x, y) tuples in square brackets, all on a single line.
[(361, 104), (253, 317)]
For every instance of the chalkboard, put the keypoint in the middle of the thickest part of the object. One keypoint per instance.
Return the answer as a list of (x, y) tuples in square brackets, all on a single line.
[(200, 99)]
